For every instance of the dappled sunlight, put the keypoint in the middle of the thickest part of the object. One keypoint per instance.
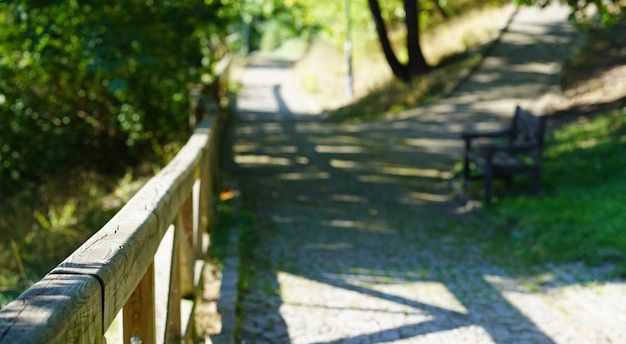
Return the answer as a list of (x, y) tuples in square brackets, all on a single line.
[(590, 143), (406, 171), (332, 303), (282, 219), (432, 293), (505, 284), (536, 67), (303, 198), (329, 246), (422, 197), (304, 175), (361, 242), (262, 160), (376, 179), (245, 147), (552, 311), (337, 139), (272, 128), (415, 172), (391, 308), (314, 128), (350, 198), (280, 149), (487, 77), (372, 274), (276, 132), (435, 145), (339, 149), (485, 127), (404, 285), (360, 225), (345, 164)]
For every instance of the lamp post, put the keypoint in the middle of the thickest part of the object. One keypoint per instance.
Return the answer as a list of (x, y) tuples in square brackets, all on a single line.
[(348, 52)]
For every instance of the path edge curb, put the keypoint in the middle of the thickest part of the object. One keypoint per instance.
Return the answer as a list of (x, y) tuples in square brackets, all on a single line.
[(229, 287)]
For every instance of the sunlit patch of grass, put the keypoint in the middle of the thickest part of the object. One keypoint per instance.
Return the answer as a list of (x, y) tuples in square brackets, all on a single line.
[(580, 216), (396, 96)]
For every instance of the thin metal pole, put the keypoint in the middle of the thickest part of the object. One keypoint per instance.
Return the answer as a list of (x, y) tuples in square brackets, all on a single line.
[(348, 51)]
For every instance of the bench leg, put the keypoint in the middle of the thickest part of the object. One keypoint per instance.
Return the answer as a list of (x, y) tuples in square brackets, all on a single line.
[(488, 181), (536, 180), (508, 180), (466, 172)]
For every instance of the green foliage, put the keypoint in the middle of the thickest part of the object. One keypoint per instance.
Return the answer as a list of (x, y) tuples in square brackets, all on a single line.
[(95, 83), (274, 21), (40, 226), (262, 24), (580, 217), (329, 17), (589, 13)]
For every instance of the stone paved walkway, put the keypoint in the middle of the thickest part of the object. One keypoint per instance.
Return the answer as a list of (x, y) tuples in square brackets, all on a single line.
[(357, 222)]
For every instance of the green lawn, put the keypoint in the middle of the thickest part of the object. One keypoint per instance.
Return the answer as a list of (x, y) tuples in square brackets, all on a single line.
[(581, 214)]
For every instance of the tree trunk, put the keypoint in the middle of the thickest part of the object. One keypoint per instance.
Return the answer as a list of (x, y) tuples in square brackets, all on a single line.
[(398, 69), (417, 64)]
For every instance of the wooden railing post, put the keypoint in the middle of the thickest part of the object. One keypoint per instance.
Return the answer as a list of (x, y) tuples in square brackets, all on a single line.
[(139, 313), (201, 216), (186, 235), (195, 109), (173, 330), (205, 194), (186, 220)]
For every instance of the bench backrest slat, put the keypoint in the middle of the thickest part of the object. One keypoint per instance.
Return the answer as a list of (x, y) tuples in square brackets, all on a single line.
[(527, 128)]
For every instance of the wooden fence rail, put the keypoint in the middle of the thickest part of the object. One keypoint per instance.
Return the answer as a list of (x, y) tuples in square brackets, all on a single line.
[(146, 262)]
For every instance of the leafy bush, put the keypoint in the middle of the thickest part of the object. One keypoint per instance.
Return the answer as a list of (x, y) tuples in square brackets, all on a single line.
[(95, 83)]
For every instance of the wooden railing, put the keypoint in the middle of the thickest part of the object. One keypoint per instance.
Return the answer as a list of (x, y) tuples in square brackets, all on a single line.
[(145, 263)]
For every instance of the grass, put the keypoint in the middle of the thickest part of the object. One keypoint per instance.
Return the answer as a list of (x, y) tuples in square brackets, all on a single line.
[(397, 96), (44, 223), (580, 216)]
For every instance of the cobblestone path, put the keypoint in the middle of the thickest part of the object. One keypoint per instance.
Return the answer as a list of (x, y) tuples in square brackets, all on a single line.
[(357, 222)]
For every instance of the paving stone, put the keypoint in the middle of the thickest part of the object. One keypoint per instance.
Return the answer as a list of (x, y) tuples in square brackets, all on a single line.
[(352, 218)]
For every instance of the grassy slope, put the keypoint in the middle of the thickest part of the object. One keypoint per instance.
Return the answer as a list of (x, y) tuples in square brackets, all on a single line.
[(457, 44), (580, 216)]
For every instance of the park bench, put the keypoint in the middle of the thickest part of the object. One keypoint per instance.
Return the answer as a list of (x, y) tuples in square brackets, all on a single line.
[(515, 150)]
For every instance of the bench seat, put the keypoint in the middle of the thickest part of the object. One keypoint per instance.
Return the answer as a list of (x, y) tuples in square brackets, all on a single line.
[(517, 149)]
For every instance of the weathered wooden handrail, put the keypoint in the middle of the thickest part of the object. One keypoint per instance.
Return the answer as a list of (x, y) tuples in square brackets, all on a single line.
[(122, 265)]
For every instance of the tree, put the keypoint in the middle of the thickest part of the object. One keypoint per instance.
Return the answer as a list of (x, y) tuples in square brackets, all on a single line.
[(416, 64), (97, 82)]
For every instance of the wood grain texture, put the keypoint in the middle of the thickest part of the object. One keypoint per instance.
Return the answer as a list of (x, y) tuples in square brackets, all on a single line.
[(57, 309), (120, 253), (139, 311), (162, 287)]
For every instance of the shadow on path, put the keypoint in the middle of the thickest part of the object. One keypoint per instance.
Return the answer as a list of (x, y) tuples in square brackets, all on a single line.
[(351, 210), (356, 223)]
